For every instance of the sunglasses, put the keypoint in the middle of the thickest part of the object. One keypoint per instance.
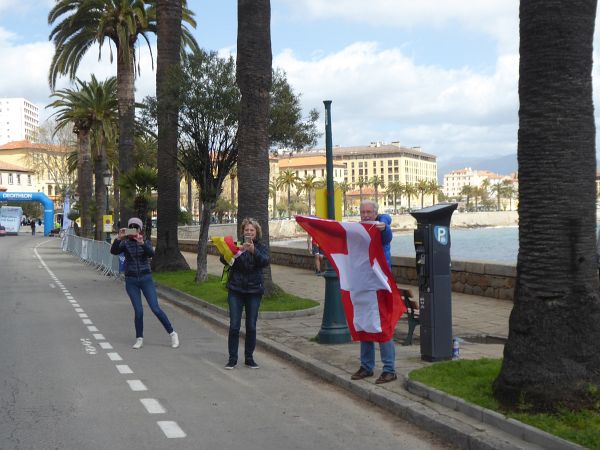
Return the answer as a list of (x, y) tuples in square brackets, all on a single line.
[(133, 227)]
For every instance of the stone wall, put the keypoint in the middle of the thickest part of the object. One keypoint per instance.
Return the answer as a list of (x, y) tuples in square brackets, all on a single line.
[(468, 277)]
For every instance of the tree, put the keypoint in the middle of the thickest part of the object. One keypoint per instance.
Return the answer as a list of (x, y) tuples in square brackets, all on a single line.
[(286, 128), (288, 179), (377, 182), (551, 358), (208, 128), (308, 184), (139, 184), (168, 25), (411, 191), (434, 189), (78, 24), (395, 189), (422, 188), (467, 190), (361, 183), (345, 187), (254, 78), (274, 186)]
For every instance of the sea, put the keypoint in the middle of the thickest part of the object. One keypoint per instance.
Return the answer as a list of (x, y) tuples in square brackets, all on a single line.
[(491, 244)]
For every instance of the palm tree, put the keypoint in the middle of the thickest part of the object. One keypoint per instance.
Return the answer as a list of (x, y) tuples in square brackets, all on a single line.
[(551, 358), (361, 183), (422, 188), (139, 185), (377, 182), (274, 186), (344, 186), (467, 190), (169, 15), (434, 190), (78, 24), (498, 189), (79, 108), (288, 178), (395, 189), (411, 191), (308, 184), (254, 77)]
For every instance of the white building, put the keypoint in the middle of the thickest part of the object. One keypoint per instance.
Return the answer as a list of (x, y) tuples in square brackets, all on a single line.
[(19, 120)]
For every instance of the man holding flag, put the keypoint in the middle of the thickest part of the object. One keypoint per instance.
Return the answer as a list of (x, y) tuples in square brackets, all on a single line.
[(371, 300)]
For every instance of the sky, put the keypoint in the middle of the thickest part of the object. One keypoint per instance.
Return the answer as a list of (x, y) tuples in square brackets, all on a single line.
[(440, 75)]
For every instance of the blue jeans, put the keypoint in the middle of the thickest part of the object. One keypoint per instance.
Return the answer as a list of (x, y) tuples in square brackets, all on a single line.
[(388, 355), (134, 287), (237, 302)]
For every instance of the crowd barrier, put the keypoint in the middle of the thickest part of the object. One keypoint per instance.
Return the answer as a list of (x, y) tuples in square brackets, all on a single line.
[(93, 253)]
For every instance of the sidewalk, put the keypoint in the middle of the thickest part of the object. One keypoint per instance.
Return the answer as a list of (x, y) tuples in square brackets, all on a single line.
[(475, 318)]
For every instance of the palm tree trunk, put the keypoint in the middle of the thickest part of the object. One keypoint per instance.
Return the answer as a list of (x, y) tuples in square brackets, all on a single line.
[(85, 182), (201, 260), (100, 166), (254, 78), (168, 257), (126, 100), (551, 359)]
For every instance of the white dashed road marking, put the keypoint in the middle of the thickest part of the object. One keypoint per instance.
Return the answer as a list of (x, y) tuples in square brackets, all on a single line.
[(98, 336), (136, 385), (92, 329), (171, 429), (123, 368), (105, 346), (152, 406), (114, 356)]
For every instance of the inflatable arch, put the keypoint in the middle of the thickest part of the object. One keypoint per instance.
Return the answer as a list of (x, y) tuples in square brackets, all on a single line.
[(33, 197)]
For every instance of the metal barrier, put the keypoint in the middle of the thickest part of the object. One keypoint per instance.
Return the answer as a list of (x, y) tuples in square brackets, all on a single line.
[(91, 252)]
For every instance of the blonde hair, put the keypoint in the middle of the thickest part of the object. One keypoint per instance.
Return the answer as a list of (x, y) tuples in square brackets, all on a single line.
[(254, 223)]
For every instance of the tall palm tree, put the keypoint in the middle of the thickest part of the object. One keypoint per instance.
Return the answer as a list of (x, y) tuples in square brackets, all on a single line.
[(361, 183), (498, 189), (139, 185), (467, 190), (274, 186), (434, 190), (308, 184), (288, 179), (254, 79), (395, 189), (78, 24), (551, 358), (169, 15), (345, 187), (411, 191), (79, 108), (377, 182), (422, 188)]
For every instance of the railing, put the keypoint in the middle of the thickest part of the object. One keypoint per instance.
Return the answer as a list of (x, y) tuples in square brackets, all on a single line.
[(91, 252)]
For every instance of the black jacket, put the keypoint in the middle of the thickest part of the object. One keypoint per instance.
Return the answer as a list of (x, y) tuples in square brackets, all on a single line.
[(136, 256), (246, 274)]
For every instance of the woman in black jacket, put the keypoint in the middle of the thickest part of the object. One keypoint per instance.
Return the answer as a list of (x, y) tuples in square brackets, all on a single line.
[(246, 289), (138, 278)]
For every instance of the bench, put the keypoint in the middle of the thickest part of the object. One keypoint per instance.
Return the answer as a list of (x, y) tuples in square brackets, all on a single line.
[(412, 314)]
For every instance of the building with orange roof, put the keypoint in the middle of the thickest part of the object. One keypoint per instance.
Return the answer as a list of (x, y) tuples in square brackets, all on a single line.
[(15, 178)]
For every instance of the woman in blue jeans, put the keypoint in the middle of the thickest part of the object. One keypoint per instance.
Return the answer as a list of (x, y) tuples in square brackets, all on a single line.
[(246, 289), (138, 278)]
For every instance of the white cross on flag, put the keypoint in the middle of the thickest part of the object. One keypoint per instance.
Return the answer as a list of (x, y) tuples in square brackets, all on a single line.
[(371, 300)]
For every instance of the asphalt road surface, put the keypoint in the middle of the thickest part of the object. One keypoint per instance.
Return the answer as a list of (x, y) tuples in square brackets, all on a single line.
[(69, 378)]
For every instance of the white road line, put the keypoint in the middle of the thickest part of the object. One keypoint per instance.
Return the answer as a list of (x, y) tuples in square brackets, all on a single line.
[(114, 356), (83, 315), (92, 328), (79, 310), (75, 304), (105, 346), (171, 429), (98, 336), (152, 406), (123, 368), (52, 286), (137, 385), (87, 321)]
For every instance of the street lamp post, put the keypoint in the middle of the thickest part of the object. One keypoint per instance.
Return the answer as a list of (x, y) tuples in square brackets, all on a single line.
[(107, 176), (334, 329)]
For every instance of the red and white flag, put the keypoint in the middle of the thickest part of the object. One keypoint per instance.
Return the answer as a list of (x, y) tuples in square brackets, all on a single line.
[(371, 300)]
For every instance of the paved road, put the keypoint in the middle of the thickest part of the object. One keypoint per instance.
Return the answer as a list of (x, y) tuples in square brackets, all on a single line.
[(70, 380)]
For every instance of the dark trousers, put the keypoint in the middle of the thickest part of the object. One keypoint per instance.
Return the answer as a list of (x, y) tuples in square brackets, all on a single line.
[(237, 302), (134, 287)]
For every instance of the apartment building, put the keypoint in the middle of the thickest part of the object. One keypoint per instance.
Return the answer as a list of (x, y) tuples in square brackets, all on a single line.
[(19, 120), (304, 165), (15, 178)]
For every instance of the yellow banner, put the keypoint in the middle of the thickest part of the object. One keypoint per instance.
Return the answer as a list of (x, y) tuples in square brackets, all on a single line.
[(321, 204), (107, 221)]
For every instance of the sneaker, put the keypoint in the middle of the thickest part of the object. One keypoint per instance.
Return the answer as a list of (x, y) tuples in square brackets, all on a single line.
[(251, 364), (230, 364), (361, 373), (139, 342), (174, 339)]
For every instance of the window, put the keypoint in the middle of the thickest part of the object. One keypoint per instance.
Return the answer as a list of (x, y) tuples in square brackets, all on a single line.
[(10, 178), (18, 178), (28, 180), (49, 189)]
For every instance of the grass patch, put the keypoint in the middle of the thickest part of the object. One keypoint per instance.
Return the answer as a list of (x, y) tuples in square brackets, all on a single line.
[(213, 292), (472, 381)]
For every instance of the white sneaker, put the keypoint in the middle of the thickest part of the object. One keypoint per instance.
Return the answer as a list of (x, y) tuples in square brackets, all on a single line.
[(139, 342), (174, 339)]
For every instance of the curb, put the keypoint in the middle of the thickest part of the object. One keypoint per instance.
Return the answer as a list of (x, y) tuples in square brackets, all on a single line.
[(453, 430), (169, 291), (497, 420)]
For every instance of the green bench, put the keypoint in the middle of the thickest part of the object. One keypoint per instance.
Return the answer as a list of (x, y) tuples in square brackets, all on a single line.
[(412, 314)]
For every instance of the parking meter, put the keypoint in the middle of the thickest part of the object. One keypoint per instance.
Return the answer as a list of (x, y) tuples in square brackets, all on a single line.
[(432, 247)]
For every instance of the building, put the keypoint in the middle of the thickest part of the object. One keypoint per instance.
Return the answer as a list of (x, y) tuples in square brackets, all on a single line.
[(455, 181), (46, 164), (19, 120), (304, 165), (15, 178)]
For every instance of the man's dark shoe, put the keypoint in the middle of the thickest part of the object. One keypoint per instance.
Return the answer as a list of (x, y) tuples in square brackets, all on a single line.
[(386, 377), (361, 373), (251, 364), (231, 364)]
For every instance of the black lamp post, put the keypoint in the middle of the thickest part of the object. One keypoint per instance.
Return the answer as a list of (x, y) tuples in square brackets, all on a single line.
[(334, 329), (107, 177)]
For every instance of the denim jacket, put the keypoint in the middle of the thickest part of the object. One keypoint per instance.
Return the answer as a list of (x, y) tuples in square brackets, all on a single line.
[(246, 275), (137, 263)]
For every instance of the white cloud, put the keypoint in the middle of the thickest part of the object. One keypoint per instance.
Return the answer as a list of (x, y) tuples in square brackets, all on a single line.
[(381, 94)]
